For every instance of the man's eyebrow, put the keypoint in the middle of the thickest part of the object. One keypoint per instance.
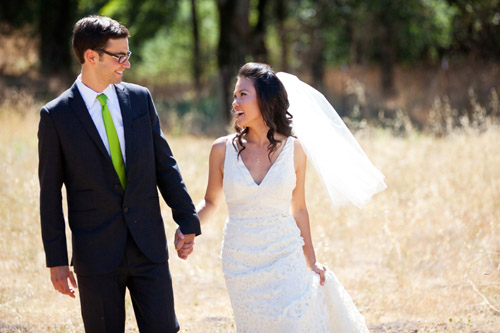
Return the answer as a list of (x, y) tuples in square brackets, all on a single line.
[(120, 52)]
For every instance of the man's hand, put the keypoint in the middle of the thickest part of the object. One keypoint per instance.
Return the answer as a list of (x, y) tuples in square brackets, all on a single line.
[(184, 244), (60, 276)]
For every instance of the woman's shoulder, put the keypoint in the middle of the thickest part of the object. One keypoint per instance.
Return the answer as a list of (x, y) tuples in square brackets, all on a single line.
[(219, 145), (222, 141), (295, 141), (297, 147)]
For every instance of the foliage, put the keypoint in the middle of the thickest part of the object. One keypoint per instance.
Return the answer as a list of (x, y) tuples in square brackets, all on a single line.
[(423, 29), (420, 28), (476, 28), (166, 57), (306, 37), (143, 17)]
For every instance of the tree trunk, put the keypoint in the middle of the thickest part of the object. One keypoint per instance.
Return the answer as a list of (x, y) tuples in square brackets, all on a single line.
[(233, 37), (56, 25), (281, 17), (387, 53), (196, 49), (317, 50), (259, 34), (317, 55)]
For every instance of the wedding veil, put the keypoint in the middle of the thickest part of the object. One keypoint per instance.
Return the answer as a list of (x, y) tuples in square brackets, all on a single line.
[(342, 165)]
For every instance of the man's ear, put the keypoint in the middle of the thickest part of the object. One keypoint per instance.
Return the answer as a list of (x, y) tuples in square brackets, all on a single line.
[(91, 56)]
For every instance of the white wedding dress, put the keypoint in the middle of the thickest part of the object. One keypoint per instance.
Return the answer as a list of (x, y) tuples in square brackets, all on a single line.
[(269, 286)]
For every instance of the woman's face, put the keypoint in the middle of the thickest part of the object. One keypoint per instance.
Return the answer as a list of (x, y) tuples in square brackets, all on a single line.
[(245, 104)]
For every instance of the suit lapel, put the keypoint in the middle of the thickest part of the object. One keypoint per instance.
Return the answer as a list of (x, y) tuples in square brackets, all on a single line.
[(126, 109), (78, 106)]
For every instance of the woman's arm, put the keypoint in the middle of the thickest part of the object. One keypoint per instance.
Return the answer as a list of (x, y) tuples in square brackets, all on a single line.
[(299, 211), (207, 207)]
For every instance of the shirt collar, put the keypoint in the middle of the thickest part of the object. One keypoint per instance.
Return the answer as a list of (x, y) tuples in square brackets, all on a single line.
[(89, 95)]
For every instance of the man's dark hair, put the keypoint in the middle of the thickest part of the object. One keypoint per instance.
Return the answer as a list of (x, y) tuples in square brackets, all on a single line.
[(93, 32)]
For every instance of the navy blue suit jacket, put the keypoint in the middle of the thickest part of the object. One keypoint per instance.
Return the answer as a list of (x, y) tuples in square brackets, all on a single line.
[(72, 153)]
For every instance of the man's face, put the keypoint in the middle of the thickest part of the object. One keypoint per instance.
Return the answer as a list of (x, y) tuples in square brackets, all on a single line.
[(108, 70)]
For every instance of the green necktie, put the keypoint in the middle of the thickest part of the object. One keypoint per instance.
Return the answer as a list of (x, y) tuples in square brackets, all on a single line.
[(114, 143)]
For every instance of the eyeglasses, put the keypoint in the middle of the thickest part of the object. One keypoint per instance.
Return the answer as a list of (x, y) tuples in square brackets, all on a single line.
[(121, 58)]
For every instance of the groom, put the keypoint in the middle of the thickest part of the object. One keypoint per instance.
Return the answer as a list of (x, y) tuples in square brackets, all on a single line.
[(102, 140)]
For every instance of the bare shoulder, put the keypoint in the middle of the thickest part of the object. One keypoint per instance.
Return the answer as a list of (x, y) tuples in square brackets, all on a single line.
[(297, 149), (220, 143), (219, 146), (299, 156)]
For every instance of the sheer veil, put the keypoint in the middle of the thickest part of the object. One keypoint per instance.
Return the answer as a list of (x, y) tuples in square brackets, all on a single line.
[(344, 168)]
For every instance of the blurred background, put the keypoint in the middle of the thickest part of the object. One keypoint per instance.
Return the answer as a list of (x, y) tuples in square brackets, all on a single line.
[(416, 81), (386, 62)]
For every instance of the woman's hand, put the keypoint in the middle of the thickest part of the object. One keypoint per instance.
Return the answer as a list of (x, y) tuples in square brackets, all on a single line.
[(320, 269)]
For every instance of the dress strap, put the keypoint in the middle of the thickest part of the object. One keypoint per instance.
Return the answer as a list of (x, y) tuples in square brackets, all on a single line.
[(230, 149), (230, 155)]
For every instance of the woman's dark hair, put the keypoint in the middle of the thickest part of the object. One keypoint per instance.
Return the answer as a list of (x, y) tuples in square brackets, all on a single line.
[(273, 104), (93, 32)]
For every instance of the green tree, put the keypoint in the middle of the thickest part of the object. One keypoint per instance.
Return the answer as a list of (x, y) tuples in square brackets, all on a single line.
[(476, 28), (258, 34), (143, 18), (385, 32), (169, 56), (196, 47)]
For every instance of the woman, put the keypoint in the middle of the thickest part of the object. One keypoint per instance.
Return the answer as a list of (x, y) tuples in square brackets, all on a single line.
[(273, 278)]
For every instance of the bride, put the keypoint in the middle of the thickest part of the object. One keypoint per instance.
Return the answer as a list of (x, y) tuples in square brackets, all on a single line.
[(274, 281)]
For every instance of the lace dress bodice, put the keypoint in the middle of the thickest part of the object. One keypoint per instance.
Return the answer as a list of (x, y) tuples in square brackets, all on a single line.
[(246, 198), (270, 287)]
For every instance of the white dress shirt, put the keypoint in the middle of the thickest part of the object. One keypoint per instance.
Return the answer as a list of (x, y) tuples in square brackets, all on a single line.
[(95, 110)]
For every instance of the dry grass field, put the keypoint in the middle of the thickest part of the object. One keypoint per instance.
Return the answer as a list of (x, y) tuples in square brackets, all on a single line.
[(423, 256)]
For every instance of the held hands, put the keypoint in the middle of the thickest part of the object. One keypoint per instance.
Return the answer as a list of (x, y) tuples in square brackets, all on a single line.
[(184, 244), (320, 269), (59, 276)]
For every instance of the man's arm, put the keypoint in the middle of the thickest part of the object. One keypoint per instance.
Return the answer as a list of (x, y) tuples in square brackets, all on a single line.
[(50, 173), (169, 179)]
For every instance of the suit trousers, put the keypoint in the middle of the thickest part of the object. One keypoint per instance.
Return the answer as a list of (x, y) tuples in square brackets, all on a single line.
[(102, 297)]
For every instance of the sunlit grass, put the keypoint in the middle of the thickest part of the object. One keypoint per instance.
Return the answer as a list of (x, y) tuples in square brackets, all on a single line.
[(425, 253)]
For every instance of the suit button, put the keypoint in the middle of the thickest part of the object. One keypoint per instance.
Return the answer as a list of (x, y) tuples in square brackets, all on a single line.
[(125, 210), (118, 187)]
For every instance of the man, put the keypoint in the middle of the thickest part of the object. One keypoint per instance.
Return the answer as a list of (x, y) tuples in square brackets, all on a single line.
[(102, 139)]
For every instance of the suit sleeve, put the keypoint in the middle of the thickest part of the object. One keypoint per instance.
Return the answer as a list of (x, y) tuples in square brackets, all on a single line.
[(50, 174), (169, 179)]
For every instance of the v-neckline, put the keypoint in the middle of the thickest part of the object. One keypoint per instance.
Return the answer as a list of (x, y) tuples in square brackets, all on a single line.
[(268, 170)]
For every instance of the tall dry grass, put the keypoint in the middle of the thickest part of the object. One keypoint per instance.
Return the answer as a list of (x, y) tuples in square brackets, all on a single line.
[(423, 256)]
